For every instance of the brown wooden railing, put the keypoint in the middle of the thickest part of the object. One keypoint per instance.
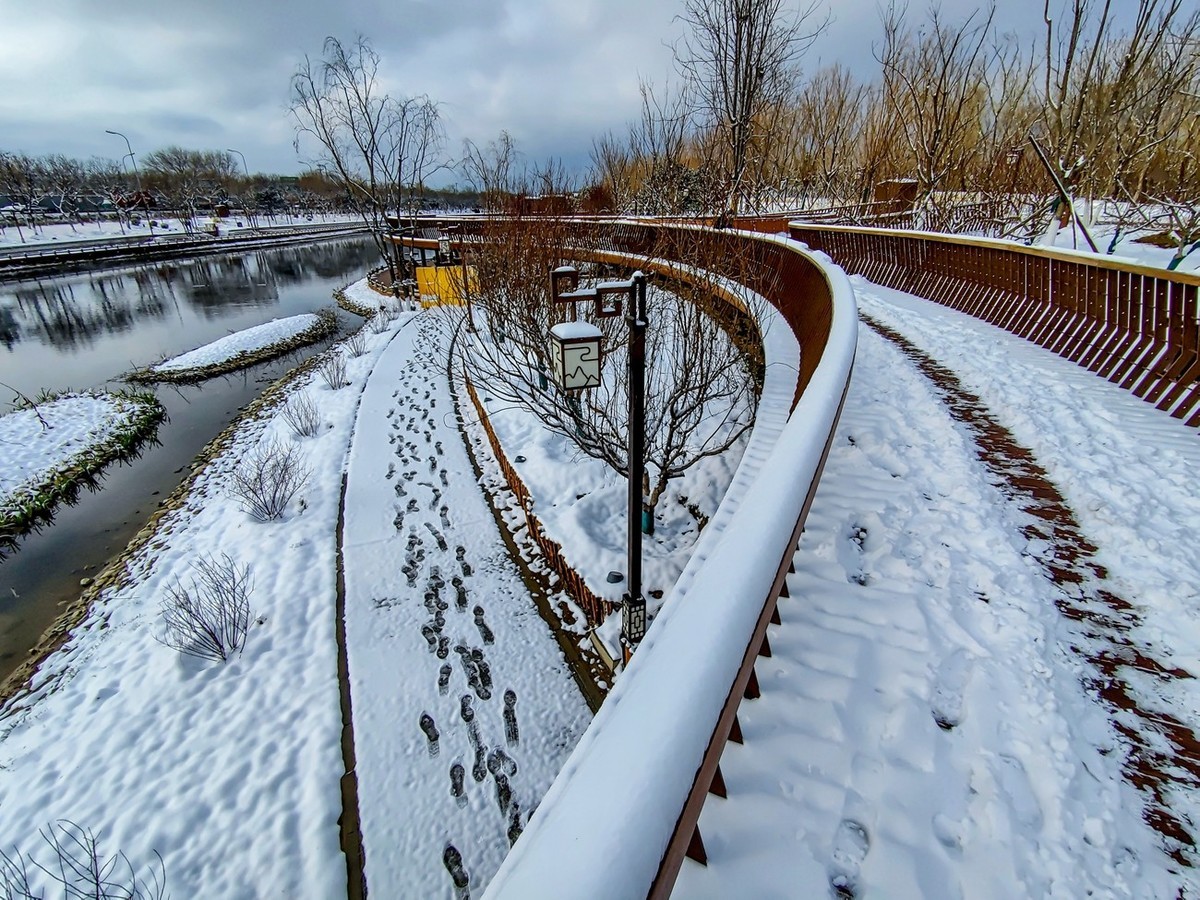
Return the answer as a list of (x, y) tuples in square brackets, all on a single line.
[(681, 691), (1136, 326)]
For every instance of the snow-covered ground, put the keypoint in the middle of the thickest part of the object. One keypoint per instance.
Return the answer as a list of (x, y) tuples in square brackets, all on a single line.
[(231, 771), (439, 624), (63, 233), (37, 442), (244, 343), (923, 729)]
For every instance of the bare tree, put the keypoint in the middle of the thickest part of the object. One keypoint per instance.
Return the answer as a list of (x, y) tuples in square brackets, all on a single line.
[(492, 170), (381, 148), (741, 57), (936, 84), (704, 373)]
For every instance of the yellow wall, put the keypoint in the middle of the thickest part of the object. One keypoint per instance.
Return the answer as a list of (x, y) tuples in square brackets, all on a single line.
[(444, 283)]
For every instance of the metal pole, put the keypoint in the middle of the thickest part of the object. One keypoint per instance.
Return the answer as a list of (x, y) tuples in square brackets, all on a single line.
[(246, 169), (136, 173), (633, 613)]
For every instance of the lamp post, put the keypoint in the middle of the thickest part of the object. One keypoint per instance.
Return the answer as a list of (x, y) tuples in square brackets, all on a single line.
[(575, 349), (136, 174), (245, 169)]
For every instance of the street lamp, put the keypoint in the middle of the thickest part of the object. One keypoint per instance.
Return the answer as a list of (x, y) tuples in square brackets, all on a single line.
[(245, 169), (576, 355), (136, 174)]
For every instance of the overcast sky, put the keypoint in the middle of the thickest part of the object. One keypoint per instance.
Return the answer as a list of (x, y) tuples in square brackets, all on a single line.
[(214, 74)]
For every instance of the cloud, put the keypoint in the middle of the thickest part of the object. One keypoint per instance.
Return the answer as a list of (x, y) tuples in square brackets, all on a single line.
[(211, 75)]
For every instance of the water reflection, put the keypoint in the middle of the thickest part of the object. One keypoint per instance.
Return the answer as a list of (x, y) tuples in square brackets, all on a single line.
[(86, 328)]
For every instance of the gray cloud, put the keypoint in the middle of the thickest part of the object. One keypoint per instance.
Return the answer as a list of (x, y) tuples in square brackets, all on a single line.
[(212, 75)]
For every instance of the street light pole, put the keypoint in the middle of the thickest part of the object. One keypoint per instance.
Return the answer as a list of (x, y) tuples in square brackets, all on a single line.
[(245, 169), (633, 607), (576, 356), (136, 174)]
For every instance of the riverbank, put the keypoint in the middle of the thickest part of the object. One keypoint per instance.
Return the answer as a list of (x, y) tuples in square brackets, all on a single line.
[(57, 445)]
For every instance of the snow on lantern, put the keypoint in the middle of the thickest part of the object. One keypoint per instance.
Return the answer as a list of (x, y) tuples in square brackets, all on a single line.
[(575, 355)]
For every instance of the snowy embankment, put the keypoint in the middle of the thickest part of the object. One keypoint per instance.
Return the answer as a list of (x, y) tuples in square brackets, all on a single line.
[(65, 234), (924, 729), (49, 447), (230, 771), (625, 784), (242, 348)]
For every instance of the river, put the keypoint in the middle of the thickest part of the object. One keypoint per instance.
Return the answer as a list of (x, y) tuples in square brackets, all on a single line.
[(84, 330)]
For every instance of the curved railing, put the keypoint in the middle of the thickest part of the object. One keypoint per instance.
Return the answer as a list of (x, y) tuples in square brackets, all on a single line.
[(622, 813), (1138, 327)]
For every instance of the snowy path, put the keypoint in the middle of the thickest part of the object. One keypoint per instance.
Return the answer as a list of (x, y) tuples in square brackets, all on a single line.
[(440, 629), (923, 730)]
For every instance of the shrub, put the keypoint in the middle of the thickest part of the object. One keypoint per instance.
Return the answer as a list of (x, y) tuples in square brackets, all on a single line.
[(80, 869), (301, 413), (267, 479), (357, 343), (383, 319), (209, 617), (332, 369)]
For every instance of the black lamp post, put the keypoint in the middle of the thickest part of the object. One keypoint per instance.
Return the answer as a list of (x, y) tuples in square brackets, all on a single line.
[(576, 356)]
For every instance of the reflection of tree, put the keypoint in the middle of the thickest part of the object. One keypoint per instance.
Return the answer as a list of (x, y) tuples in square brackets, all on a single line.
[(76, 310)]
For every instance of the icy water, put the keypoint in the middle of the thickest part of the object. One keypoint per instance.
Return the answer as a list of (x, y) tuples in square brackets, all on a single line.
[(84, 330)]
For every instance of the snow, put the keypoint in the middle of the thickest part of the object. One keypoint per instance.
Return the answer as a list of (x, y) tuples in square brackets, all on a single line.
[(609, 814), (568, 331), (916, 602), (232, 771), (74, 423), (418, 526), (240, 343)]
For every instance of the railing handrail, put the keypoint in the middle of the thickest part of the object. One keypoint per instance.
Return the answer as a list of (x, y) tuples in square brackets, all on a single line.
[(1061, 254), (625, 804)]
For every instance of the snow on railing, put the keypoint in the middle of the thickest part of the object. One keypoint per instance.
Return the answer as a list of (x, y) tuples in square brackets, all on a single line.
[(610, 822)]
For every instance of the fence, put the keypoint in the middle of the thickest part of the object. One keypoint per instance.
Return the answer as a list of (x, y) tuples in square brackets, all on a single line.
[(1135, 326)]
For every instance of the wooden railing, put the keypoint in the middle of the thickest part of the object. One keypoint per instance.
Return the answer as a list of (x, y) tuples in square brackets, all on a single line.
[(1138, 327), (623, 812)]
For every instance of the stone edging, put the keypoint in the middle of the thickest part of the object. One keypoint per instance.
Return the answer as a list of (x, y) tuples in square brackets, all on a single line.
[(352, 306), (325, 326), (38, 502)]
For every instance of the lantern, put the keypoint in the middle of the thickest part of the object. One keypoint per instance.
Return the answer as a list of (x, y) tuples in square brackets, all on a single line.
[(575, 355)]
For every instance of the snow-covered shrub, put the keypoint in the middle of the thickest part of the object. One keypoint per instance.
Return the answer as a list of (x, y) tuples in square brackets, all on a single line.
[(302, 415), (209, 617), (356, 343), (267, 479), (78, 868), (332, 369), (383, 319)]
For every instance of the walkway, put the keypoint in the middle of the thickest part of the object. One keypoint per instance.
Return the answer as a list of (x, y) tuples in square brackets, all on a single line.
[(924, 729), (463, 707)]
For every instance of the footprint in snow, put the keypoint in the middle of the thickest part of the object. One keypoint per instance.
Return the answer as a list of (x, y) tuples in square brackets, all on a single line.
[(850, 845), (949, 685), (1015, 785)]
